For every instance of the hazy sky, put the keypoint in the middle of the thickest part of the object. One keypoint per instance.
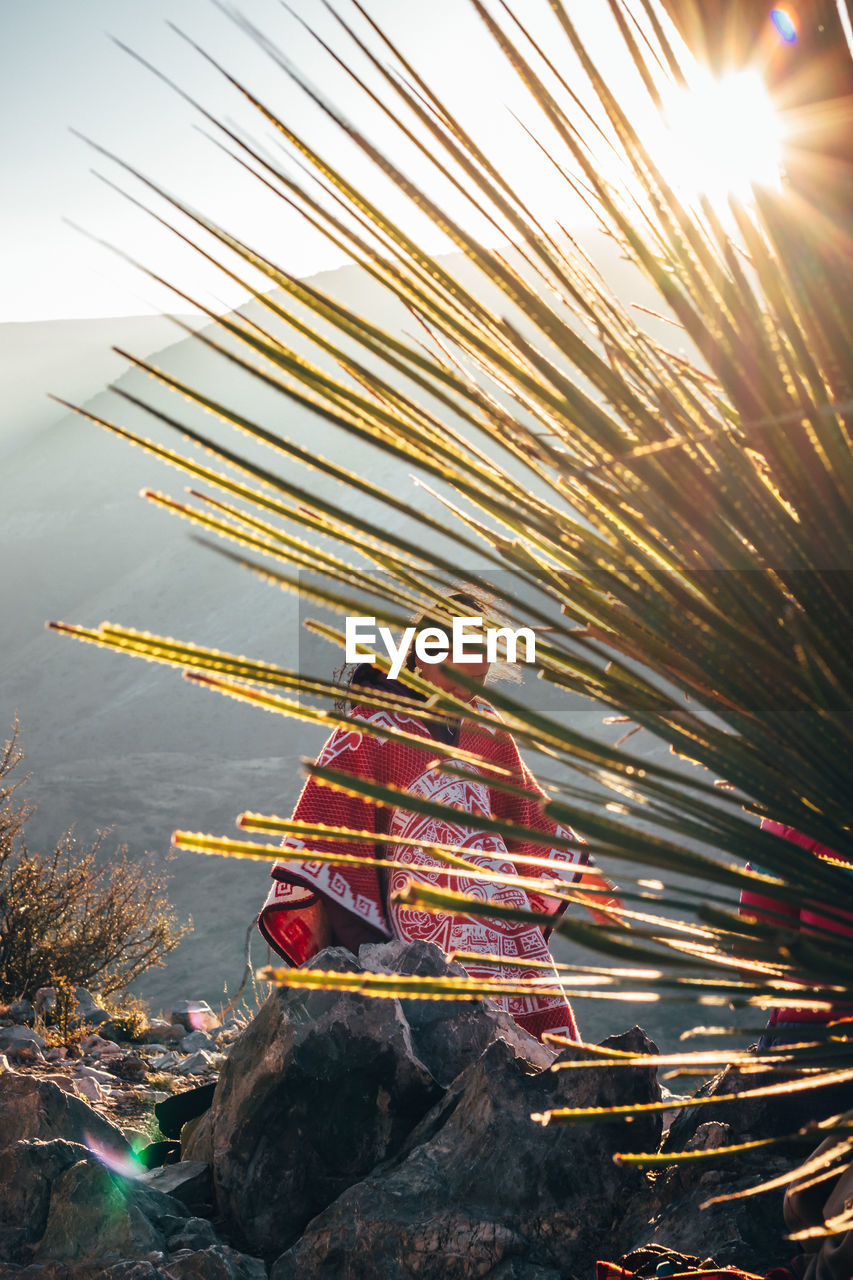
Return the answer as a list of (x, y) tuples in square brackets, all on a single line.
[(59, 69)]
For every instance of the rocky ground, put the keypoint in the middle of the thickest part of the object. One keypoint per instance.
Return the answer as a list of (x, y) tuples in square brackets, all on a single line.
[(358, 1138), (122, 1078)]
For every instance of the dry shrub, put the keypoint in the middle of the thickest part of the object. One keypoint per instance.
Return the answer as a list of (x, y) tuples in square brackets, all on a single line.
[(72, 915)]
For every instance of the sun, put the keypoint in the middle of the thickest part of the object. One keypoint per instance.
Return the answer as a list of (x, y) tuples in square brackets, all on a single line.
[(720, 137)]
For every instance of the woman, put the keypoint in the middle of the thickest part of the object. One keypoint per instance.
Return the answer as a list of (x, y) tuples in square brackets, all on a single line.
[(312, 905)]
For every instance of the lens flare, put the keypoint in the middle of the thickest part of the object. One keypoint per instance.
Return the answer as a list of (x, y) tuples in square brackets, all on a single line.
[(786, 24), (124, 1163)]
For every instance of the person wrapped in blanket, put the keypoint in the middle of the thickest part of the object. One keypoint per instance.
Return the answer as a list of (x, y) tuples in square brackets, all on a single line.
[(789, 1026), (313, 904)]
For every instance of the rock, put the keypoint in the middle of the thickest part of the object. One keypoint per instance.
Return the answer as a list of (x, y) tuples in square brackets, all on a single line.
[(320, 1087), (59, 1205), (152, 1049), (111, 1030), (517, 1269), (188, 1181), (4, 1064), (111, 1049), (197, 1040), (94, 1213), (215, 1263), (95, 1044), (91, 1215), (194, 1015), (27, 1171), (769, 1117), (22, 1011), (57, 1054), (128, 1067), (166, 1061), (136, 1137), (93, 1073), (32, 1108), (81, 1087), (156, 1030), (44, 1000), (86, 1007), (21, 1042), (96, 1018), (85, 1001), (448, 1035), (197, 1139), (90, 1090), (194, 1233), (198, 1064), (747, 1233), (477, 1185)]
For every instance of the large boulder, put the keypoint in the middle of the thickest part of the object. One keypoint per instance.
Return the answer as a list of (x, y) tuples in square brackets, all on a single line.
[(34, 1108), (213, 1262), (772, 1116), (27, 1173), (93, 1213), (682, 1209), (448, 1035), (480, 1190), (21, 1042), (319, 1089), (59, 1203)]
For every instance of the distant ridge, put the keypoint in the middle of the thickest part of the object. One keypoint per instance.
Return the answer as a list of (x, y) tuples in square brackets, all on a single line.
[(71, 358)]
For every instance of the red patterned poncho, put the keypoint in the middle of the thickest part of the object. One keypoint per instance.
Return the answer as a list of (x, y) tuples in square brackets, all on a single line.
[(294, 919)]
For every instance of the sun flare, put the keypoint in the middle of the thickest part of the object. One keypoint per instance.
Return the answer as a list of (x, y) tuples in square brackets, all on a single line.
[(721, 137)]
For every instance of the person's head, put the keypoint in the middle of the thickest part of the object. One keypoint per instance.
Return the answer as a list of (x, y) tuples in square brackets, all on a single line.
[(463, 603), (442, 674)]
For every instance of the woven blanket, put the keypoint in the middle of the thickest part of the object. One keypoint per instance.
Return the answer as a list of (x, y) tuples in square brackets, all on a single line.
[(293, 919)]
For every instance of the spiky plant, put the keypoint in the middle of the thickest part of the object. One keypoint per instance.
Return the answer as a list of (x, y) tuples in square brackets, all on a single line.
[(680, 521)]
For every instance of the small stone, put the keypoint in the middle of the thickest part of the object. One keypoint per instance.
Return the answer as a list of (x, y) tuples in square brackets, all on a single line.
[(166, 1061), (94, 1043), (129, 1067), (197, 1040), (4, 1064), (111, 1031), (152, 1050), (89, 1089), (197, 1064), (111, 1050), (58, 1054), (194, 1015), (92, 1073), (174, 1033), (156, 1028)]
